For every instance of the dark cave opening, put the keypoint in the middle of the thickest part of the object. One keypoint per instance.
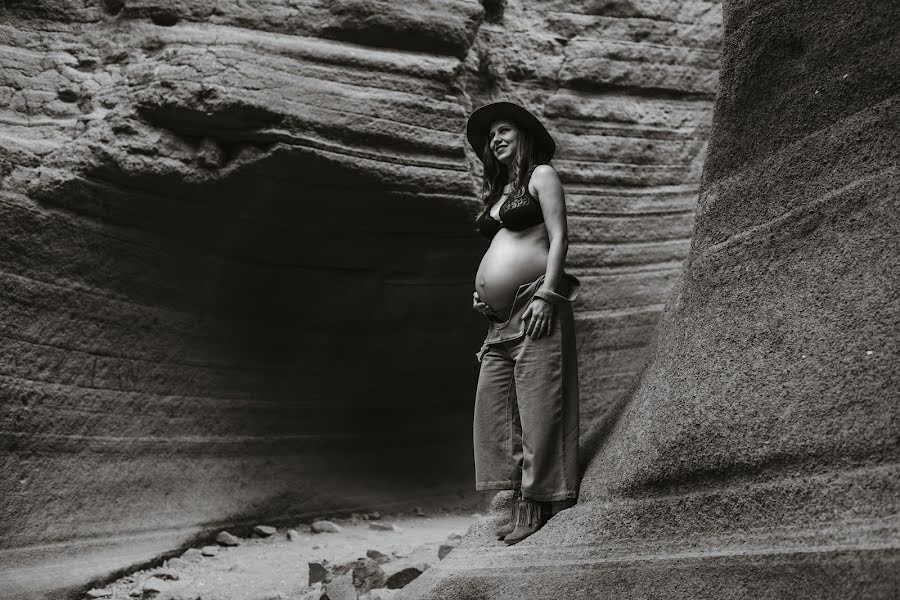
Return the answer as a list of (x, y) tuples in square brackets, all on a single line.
[(291, 339)]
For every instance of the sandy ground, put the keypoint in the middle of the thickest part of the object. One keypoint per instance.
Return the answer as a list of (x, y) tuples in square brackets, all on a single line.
[(277, 568)]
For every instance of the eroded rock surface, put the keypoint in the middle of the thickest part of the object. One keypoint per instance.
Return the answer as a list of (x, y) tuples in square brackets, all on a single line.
[(759, 456), (238, 254)]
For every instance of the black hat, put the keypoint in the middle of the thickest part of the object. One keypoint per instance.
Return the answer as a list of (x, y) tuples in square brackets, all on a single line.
[(480, 121)]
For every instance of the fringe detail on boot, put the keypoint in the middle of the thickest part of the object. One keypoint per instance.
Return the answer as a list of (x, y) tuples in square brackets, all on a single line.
[(531, 512)]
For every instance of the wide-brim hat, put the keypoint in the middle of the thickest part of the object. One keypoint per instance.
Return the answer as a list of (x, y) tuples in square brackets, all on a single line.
[(480, 121)]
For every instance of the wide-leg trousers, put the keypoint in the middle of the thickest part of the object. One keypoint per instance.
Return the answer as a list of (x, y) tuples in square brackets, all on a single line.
[(526, 413)]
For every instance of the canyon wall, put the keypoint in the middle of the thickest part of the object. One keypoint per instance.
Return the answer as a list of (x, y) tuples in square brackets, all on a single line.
[(758, 455), (237, 249)]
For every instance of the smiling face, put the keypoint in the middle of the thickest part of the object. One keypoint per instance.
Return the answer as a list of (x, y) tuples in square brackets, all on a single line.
[(503, 137)]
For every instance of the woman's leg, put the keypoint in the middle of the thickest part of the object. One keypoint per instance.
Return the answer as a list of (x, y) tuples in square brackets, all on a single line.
[(496, 428), (546, 381)]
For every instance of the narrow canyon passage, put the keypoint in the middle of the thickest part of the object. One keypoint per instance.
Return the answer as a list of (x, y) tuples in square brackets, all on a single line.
[(236, 249)]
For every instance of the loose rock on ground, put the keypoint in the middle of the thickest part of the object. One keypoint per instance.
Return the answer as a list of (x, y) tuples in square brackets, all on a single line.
[(226, 539), (352, 562), (325, 527), (264, 530)]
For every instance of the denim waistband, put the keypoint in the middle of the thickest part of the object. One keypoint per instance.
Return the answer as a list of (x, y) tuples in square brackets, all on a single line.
[(506, 323)]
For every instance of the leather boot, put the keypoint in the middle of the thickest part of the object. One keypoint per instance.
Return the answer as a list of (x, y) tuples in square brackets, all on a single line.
[(531, 516), (507, 529)]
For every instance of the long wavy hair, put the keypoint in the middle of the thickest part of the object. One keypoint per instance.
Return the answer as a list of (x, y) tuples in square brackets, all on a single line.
[(496, 174)]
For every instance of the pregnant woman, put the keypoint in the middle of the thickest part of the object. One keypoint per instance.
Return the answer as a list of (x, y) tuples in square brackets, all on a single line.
[(526, 400)]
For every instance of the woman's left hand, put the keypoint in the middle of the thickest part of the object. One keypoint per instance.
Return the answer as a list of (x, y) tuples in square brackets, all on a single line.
[(538, 318)]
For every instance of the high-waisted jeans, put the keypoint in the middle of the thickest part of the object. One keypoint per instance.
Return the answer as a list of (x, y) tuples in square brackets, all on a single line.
[(526, 402)]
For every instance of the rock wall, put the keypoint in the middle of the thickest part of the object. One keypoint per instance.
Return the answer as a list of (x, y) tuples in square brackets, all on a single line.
[(237, 250), (626, 89), (759, 454)]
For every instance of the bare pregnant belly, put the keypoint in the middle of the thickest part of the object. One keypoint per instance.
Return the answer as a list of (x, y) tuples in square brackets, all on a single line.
[(514, 258)]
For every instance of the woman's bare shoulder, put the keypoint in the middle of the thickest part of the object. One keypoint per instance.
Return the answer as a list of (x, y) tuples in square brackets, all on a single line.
[(544, 177), (544, 172)]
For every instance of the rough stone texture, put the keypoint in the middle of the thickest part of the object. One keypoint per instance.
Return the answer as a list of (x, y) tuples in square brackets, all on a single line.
[(403, 577), (340, 589), (237, 251), (368, 575), (264, 530), (626, 89), (226, 539), (324, 527), (317, 572), (759, 454), (377, 556)]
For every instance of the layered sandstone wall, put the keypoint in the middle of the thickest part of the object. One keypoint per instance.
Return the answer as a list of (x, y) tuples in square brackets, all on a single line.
[(237, 250), (626, 89), (759, 454)]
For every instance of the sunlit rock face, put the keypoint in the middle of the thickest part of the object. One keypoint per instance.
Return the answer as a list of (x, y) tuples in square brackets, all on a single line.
[(237, 249), (759, 454)]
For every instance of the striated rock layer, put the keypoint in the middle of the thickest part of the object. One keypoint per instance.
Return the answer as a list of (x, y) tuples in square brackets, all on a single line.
[(759, 454), (237, 251), (626, 89)]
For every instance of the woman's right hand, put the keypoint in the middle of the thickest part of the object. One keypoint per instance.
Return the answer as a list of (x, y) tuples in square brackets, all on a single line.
[(478, 305)]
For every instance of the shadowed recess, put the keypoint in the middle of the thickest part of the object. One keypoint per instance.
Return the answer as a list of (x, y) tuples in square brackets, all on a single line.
[(188, 352)]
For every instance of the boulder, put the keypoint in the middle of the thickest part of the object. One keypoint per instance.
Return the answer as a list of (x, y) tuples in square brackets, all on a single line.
[(226, 539), (377, 556), (192, 555), (177, 563), (368, 575), (264, 530), (403, 577), (325, 527), (318, 571), (340, 588)]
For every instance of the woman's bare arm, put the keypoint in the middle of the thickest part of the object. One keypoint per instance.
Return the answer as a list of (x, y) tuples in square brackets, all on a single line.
[(549, 192)]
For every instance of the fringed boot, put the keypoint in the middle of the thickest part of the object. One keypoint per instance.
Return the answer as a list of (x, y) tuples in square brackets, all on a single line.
[(507, 529), (530, 516)]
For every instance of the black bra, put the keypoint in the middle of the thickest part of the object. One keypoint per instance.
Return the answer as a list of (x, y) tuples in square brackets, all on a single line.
[(516, 213)]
